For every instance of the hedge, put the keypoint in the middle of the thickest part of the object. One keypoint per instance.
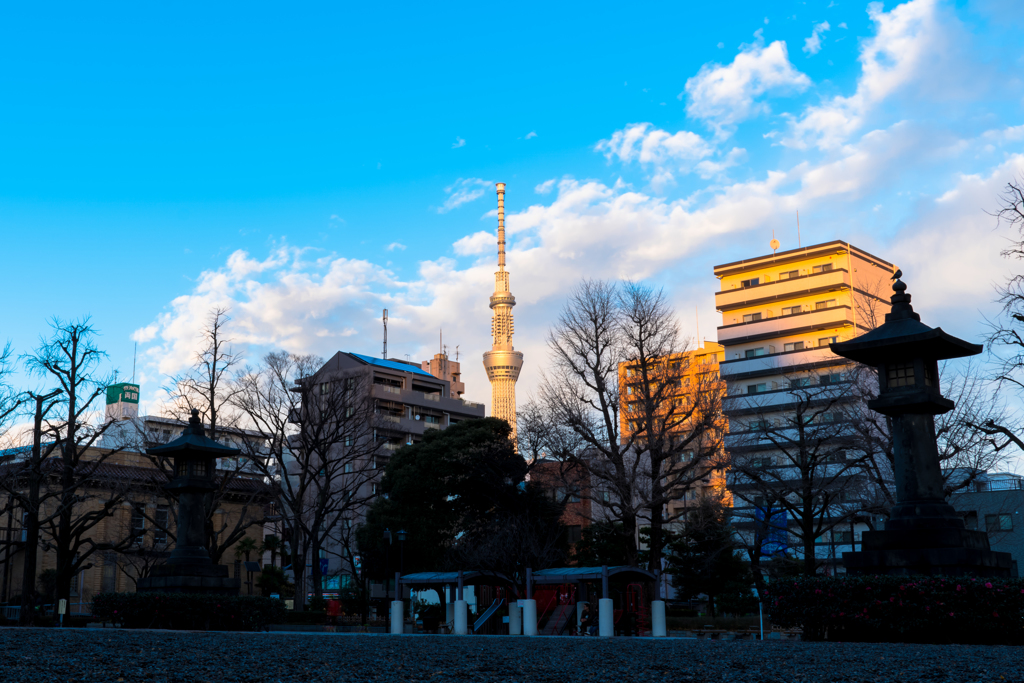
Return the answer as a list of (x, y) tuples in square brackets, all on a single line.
[(187, 611), (913, 609)]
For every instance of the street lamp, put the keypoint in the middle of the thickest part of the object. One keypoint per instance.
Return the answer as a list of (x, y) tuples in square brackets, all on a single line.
[(387, 571), (401, 539)]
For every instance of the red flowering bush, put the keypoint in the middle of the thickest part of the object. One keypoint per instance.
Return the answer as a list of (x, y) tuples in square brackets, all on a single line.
[(187, 611), (919, 609)]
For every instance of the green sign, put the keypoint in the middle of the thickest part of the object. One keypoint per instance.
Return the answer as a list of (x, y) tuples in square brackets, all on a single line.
[(122, 393)]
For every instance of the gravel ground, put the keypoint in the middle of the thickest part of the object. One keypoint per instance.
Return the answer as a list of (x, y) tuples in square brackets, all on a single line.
[(42, 655)]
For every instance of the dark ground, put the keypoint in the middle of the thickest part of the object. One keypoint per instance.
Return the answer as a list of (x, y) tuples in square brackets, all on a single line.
[(101, 655)]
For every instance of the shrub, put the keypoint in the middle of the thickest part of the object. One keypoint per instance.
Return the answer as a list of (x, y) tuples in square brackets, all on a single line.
[(188, 611), (915, 609)]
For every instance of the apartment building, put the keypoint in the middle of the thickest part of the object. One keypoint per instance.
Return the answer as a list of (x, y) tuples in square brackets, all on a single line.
[(780, 312), (696, 370), (407, 401)]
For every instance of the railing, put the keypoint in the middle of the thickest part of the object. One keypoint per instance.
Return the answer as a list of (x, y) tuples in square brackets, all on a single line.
[(431, 425), (430, 397), (11, 612), (397, 419), (390, 389), (471, 404)]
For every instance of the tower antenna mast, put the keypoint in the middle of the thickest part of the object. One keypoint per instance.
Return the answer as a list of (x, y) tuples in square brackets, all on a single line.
[(385, 334)]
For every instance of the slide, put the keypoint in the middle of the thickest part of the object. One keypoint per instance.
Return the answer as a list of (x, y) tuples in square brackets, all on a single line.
[(478, 624)]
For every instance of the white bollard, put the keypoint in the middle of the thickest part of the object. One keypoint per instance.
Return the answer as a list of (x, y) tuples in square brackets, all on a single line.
[(658, 629), (397, 618), (515, 620), (606, 617), (461, 618), (529, 617)]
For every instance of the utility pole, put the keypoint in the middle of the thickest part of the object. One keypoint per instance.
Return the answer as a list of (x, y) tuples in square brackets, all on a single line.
[(35, 477)]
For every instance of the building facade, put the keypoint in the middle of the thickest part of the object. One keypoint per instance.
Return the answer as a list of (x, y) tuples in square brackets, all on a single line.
[(786, 390), (503, 363), (994, 503)]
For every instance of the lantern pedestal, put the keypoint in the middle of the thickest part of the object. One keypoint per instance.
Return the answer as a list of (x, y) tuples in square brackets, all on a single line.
[(924, 534), (189, 569)]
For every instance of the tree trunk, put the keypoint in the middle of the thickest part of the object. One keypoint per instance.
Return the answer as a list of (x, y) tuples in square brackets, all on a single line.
[(298, 572)]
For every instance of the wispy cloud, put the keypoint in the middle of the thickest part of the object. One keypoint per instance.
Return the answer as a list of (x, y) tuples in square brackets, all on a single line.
[(545, 187), (459, 142), (395, 245), (463, 191), (812, 45), (531, 134)]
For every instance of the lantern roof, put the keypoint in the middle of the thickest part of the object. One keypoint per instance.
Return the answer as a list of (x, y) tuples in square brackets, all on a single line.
[(193, 441), (903, 336)]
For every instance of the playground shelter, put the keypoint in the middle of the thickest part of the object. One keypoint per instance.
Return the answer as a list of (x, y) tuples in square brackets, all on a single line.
[(561, 594), (634, 600)]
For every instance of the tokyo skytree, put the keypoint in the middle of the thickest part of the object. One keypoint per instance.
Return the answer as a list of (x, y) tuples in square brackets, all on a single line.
[(502, 362)]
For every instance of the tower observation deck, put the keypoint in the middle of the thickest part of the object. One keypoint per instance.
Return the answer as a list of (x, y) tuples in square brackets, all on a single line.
[(502, 362)]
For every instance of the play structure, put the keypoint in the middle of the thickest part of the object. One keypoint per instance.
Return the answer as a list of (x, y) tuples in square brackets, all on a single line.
[(551, 603)]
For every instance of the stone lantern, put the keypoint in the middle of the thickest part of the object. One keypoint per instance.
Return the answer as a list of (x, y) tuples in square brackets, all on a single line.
[(189, 569), (924, 534)]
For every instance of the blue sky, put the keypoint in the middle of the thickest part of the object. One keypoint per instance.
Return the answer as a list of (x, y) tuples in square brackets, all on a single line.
[(308, 167)]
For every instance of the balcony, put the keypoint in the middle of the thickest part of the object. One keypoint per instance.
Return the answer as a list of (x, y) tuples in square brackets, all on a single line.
[(836, 316), (780, 290), (779, 362)]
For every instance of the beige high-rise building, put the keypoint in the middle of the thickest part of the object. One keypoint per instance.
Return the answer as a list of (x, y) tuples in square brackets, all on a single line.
[(502, 362)]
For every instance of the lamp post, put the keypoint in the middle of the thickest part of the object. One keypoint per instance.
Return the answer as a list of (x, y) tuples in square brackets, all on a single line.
[(387, 571), (401, 564)]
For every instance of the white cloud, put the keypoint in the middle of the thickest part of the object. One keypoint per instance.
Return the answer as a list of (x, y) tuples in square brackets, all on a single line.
[(709, 168), (545, 187), (648, 145), (459, 142), (478, 243), (725, 95), (395, 245), (812, 45), (463, 191), (531, 134), (904, 41)]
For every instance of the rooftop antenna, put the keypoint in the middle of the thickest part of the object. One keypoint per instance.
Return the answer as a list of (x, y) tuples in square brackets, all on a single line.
[(440, 340), (798, 229), (696, 314), (774, 244), (456, 352), (135, 357), (385, 334)]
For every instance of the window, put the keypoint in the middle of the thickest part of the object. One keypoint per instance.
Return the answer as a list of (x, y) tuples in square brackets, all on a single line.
[(349, 441), (756, 388), (761, 463), (1000, 522), (162, 518), (350, 383), (825, 341), (432, 419), (794, 346), (373, 489), (348, 468), (831, 378), (108, 579), (791, 310), (971, 520), (138, 521), (751, 317), (899, 375), (929, 375), (752, 282), (799, 382), (824, 268), (575, 533), (822, 305), (606, 496), (754, 353), (789, 274), (630, 372), (199, 468), (843, 537), (760, 425), (685, 456)]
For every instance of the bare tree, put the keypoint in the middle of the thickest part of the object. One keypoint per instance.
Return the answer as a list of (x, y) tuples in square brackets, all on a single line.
[(70, 360), (798, 470), (639, 432), (208, 386), (322, 461)]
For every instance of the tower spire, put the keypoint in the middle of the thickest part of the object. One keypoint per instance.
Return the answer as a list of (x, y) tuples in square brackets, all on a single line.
[(502, 362)]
